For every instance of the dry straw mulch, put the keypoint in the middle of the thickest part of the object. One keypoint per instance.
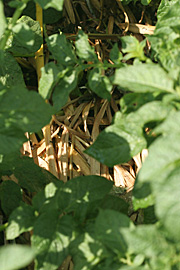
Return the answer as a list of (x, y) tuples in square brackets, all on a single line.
[(61, 151)]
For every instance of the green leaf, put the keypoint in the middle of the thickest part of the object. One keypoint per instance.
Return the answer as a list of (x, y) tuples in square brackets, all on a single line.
[(49, 75), (10, 195), (67, 81), (29, 175), (165, 40), (21, 220), (168, 203), (110, 233), (133, 48), (20, 111), (57, 4), (146, 240), (116, 55), (3, 23), (100, 84), (51, 238), (26, 37), (114, 203), (81, 191), (143, 78), (83, 48), (61, 50), (10, 71), (110, 147), (15, 256), (145, 2), (125, 138), (133, 101), (163, 157), (87, 252)]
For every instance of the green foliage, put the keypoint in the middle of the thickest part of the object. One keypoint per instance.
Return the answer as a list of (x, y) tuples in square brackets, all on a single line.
[(83, 218), (25, 38), (15, 256)]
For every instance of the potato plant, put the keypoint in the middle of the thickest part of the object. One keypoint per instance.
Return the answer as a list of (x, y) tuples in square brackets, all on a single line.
[(73, 215)]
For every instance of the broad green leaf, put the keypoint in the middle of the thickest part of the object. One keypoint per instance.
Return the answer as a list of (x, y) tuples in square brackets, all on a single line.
[(100, 84), (61, 50), (110, 147), (80, 191), (165, 41), (83, 48), (133, 101), (114, 203), (66, 82), (143, 78), (48, 80), (116, 55), (125, 138), (20, 111), (15, 256), (51, 238), (56, 4), (133, 48), (110, 233), (30, 176), (163, 157), (10, 195), (168, 203), (164, 7), (146, 240), (87, 252), (2, 19), (26, 37), (172, 122), (10, 71), (21, 220)]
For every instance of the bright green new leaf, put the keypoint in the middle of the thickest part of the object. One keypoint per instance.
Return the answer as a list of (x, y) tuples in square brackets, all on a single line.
[(143, 78), (10, 196), (100, 84), (2, 19), (10, 71), (51, 237), (133, 48), (110, 233), (56, 4), (26, 37), (83, 48), (21, 220), (61, 50), (15, 256)]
